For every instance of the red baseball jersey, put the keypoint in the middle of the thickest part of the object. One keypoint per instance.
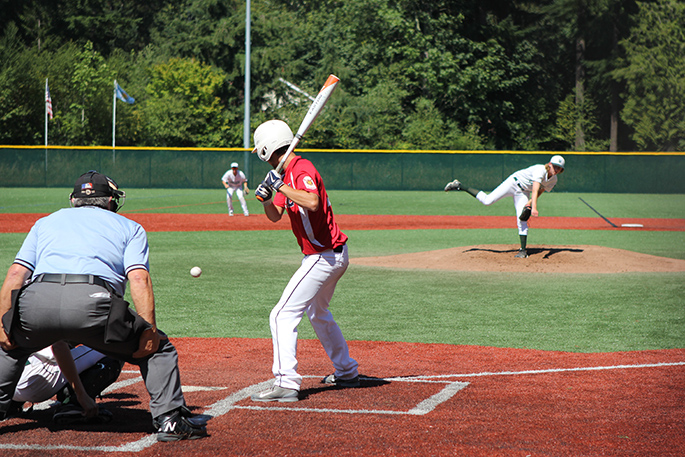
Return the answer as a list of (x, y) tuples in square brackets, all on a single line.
[(315, 231)]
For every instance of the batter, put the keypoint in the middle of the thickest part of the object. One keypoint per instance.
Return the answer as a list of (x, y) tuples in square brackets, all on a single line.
[(302, 194), (525, 186)]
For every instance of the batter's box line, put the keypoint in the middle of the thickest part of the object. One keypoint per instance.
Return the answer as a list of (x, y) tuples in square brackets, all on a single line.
[(423, 408), (422, 378), (228, 403)]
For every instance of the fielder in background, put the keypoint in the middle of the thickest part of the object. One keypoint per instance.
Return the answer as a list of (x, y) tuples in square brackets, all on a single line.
[(80, 260), (235, 182), (301, 192), (525, 186), (75, 376)]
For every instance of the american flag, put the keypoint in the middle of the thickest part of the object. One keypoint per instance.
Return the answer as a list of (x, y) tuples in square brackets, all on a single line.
[(48, 100)]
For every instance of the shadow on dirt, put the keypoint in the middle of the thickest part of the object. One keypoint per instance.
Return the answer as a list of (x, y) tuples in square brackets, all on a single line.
[(548, 252), (365, 382)]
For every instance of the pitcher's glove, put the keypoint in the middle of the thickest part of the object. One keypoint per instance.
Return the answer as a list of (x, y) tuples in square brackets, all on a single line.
[(525, 214)]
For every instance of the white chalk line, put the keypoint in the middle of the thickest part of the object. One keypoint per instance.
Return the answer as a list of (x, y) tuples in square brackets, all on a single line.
[(419, 378), (228, 403)]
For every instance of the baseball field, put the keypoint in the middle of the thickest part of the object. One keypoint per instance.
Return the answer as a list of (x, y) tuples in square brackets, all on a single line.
[(463, 349)]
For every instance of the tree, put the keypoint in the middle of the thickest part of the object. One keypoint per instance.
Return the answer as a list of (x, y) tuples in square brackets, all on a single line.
[(86, 121), (182, 106), (654, 73)]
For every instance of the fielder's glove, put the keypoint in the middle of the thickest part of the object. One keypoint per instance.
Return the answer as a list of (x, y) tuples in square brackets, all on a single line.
[(525, 214), (263, 192), (273, 180)]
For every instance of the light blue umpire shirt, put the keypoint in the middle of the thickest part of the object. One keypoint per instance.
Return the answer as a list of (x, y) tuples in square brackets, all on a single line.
[(86, 240)]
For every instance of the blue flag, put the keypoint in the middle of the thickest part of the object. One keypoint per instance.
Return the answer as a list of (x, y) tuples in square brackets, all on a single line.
[(122, 95)]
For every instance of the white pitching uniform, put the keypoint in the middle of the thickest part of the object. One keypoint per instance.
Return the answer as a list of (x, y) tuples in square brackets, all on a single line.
[(234, 180), (519, 186)]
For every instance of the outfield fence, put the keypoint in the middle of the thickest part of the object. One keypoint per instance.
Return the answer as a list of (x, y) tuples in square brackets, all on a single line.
[(57, 166)]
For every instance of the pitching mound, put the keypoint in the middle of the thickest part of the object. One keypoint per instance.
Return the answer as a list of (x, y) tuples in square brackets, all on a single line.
[(542, 259)]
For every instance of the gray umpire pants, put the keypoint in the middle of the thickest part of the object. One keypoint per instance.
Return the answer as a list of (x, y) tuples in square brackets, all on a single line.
[(77, 313)]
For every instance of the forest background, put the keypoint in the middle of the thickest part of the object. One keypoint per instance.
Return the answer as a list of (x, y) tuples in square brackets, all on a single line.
[(563, 75)]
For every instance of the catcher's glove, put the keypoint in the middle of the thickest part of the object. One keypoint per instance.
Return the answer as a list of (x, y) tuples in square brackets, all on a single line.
[(525, 214)]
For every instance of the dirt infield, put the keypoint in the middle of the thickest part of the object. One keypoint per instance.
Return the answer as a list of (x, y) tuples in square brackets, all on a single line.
[(415, 400), (543, 259), (163, 222)]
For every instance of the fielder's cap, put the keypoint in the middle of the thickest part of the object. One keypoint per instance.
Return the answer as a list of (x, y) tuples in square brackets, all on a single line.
[(234, 165), (558, 161), (94, 184), (271, 136)]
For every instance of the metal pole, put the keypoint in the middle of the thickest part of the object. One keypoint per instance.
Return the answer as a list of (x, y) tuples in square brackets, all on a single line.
[(114, 120), (246, 119), (45, 102)]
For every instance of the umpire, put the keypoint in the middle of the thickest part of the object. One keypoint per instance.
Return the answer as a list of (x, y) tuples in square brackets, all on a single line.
[(78, 261)]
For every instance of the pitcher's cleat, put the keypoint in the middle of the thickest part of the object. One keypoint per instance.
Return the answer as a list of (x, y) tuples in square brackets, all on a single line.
[(454, 185)]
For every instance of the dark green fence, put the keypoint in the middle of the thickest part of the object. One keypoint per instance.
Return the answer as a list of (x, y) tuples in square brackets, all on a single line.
[(355, 170)]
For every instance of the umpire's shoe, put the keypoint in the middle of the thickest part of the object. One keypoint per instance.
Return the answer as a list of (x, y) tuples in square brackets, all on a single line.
[(331, 380), (179, 424)]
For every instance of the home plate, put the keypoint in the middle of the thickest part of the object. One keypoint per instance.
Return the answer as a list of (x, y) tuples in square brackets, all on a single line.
[(201, 388), (632, 225)]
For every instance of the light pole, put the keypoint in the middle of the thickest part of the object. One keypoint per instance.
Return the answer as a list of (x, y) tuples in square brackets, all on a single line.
[(246, 119)]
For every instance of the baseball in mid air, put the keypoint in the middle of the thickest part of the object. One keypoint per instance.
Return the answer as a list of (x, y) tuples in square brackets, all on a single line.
[(195, 272)]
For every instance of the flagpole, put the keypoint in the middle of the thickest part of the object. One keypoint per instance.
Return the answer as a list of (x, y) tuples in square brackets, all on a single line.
[(114, 121)]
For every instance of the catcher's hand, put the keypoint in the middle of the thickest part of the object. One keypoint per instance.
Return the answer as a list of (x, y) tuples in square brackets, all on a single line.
[(525, 214)]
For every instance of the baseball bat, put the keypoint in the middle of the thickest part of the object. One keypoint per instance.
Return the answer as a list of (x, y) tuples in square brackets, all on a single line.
[(314, 110)]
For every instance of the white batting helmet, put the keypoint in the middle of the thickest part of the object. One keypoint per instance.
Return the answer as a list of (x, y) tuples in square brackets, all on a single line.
[(234, 165), (271, 136), (558, 161)]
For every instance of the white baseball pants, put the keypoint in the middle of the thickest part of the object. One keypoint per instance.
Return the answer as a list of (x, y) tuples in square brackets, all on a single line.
[(310, 290), (241, 196), (42, 377), (508, 188)]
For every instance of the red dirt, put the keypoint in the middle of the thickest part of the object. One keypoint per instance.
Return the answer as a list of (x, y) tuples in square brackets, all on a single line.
[(543, 259), (165, 222), (519, 402)]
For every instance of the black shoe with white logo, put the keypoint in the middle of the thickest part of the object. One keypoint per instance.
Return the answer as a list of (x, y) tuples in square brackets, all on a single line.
[(179, 424)]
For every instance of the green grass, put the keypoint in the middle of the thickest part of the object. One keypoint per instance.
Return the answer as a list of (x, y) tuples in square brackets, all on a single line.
[(213, 201), (244, 274)]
